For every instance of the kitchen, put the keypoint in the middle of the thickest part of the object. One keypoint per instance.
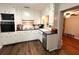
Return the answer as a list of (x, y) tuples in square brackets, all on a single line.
[(35, 22)]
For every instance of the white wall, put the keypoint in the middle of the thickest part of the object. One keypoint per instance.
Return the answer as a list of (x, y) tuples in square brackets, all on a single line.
[(64, 6)]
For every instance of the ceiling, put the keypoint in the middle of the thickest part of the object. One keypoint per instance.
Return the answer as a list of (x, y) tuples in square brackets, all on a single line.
[(34, 6), (73, 10)]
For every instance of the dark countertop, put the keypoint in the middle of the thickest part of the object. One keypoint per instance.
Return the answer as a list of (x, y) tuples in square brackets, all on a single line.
[(49, 32), (27, 29), (46, 31)]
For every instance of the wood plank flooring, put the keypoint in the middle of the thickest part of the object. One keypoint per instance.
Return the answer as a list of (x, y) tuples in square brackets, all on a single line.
[(24, 48), (70, 47)]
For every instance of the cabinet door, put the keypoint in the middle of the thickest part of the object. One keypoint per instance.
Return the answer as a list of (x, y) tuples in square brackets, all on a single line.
[(26, 35), (19, 36), (52, 42), (8, 38), (0, 40), (34, 34), (26, 16), (40, 35)]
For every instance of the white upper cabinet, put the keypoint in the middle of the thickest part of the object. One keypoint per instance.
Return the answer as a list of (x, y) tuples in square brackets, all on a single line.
[(21, 13), (10, 10), (18, 17), (7, 9), (18, 14), (27, 14)]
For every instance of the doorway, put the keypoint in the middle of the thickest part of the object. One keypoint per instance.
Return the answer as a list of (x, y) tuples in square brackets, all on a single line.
[(70, 30), (71, 22)]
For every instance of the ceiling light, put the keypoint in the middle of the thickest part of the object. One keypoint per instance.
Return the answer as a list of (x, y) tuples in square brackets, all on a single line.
[(67, 16)]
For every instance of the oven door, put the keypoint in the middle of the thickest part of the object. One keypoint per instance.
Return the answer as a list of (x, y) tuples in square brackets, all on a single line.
[(7, 27)]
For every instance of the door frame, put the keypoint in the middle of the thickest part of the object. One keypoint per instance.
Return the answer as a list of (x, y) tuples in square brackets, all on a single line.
[(62, 17), (60, 24)]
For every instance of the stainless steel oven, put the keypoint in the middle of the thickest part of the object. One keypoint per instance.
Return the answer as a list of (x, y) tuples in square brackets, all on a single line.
[(7, 22), (7, 27)]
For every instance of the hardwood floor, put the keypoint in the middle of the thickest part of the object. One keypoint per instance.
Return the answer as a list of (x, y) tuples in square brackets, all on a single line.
[(24, 48), (70, 47)]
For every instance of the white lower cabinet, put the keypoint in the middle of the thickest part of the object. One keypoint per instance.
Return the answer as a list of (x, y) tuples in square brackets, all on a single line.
[(19, 36), (39, 35), (0, 40), (26, 35), (36, 34), (31, 35), (50, 42), (8, 38)]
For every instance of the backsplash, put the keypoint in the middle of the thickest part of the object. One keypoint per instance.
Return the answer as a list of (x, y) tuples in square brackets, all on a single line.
[(28, 24)]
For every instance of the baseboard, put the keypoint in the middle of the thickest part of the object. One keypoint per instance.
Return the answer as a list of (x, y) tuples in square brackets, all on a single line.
[(72, 36), (75, 37), (69, 35), (1, 47)]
